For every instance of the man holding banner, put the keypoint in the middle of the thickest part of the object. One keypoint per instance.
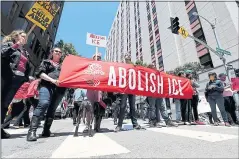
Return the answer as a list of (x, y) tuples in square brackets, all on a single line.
[(123, 104)]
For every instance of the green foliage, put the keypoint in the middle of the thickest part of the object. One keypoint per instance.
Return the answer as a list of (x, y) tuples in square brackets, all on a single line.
[(140, 63), (194, 66), (67, 48)]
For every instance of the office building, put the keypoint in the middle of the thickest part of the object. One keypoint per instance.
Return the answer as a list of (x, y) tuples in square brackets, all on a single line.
[(141, 29), (39, 42)]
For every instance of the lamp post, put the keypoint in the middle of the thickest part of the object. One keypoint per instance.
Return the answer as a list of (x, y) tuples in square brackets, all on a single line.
[(218, 44)]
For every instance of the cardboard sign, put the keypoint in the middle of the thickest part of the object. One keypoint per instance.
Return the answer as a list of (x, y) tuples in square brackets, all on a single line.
[(42, 13), (78, 72), (96, 40), (235, 84)]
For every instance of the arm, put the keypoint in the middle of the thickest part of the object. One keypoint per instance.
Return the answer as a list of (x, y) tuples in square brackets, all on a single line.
[(219, 87), (195, 84)]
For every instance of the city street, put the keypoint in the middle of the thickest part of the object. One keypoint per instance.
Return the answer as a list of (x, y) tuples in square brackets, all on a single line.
[(182, 142)]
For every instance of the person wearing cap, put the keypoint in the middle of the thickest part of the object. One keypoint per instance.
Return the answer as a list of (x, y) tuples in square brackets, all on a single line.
[(156, 106), (123, 103), (95, 97), (228, 99), (214, 94)]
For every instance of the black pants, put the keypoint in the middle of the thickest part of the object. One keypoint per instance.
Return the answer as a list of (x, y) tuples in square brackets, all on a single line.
[(123, 104), (230, 109), (10, 86), (194, 104), (185, 110), (76, 111)]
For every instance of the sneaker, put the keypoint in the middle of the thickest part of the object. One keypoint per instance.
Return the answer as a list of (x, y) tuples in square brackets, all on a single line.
[(186, 123), (117, 129), (216, 124), (171, 124), (200, 123), (227, 124), (158, 125), (138, 127)]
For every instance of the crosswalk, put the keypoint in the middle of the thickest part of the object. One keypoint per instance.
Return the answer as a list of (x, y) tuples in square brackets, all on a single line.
[(107, 144)]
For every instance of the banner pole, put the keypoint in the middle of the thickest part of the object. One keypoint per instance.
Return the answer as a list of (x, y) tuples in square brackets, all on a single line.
[(96, 52), (32, 28)]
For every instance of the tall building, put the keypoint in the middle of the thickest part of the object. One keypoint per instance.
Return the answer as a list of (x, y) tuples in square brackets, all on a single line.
[(39, 42), (141, 29)]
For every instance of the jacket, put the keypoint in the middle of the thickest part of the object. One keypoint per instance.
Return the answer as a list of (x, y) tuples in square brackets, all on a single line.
[(48, 68), (11, 57), (217, 90)]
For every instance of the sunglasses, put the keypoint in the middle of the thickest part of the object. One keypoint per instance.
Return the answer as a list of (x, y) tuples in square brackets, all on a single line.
[(57, 51)]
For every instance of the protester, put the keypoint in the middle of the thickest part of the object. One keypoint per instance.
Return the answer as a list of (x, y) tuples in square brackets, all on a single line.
[(15, 62), (96, 97), (195, 98), (228, 100), (214, 94), (123, 105), (49, 94), (178, 103), (77, 100)]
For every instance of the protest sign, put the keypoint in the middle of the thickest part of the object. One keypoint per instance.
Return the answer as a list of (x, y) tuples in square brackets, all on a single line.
[(28, 89), (42, 13), (96, 40), (235, 84), (78, 72)]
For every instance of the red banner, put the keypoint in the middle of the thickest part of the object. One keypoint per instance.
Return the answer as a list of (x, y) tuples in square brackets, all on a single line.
[(235, 84), (77, 72), (27, 90)]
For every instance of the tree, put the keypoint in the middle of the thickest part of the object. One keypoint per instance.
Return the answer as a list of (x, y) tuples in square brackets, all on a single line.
[(194, 66), (67, 48), (140, 63)]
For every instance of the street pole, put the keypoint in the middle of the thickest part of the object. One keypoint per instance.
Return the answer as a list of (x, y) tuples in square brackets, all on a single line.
[(218, 44)]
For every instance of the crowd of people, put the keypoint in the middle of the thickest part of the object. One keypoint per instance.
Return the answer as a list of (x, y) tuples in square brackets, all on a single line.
[(15, 71)]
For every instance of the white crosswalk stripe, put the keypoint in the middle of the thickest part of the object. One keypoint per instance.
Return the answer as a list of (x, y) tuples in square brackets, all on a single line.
[(84, 147)]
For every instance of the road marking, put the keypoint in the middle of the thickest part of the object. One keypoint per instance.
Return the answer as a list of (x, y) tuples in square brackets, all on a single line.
[(200, 135), (16, 131), (84, 147)]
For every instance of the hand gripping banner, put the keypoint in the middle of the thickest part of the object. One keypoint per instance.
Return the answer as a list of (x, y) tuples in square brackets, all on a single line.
[(78, 72)]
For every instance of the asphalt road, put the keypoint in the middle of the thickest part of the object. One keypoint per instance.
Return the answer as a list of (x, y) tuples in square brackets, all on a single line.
[(181, 142)]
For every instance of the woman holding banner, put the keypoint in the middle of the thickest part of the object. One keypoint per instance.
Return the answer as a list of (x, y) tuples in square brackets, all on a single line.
[(15, 69), (49, 94)]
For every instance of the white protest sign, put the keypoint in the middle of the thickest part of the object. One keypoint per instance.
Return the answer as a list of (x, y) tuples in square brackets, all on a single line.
[(96, 40)]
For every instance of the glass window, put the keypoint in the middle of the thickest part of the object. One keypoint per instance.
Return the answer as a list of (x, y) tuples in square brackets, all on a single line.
[(140, 40), (161, 64), (204, 59), (150, 27), (158, 45), (160, 59), (149, 17), (140, 50), (137, 44), (20, 22), (186, 2), (156, 32), (31, 40), (200, 35), (139, 30), (147, 6), (6, 7), (154, 9), (138, 22), (192, 17), (152, 49), (155, 21), (13, 10), (151, 38)]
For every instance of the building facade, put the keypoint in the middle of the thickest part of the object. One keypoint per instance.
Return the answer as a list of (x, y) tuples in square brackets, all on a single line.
[(141, 29), (39, 42)]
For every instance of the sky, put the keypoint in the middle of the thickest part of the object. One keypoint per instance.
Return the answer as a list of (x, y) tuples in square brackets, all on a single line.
[(78, 18)]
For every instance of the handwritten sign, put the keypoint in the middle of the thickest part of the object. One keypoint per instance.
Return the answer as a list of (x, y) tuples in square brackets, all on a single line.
[(96, 40), (42, 13)]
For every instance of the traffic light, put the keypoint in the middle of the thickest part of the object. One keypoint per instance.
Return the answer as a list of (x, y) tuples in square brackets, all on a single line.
[(174, 25)]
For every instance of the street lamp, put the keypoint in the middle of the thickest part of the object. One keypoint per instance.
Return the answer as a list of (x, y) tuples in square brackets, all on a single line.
[(215, 34)]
